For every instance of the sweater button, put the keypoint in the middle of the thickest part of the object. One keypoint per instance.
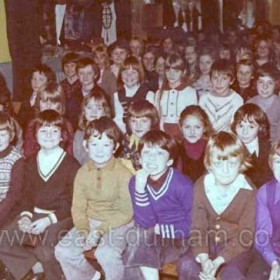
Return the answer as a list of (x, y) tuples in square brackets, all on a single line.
[(217, 227), (218, 218)]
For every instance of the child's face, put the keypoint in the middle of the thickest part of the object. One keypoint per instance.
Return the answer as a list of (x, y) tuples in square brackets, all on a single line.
[(140, 126), (276, 167), (265, 86), (101, 149), (247, 131), (205, 63), (155, 160), (38, 80), (118, 56), (93, 110), (224, 171), (224, 54), (135, 48), (100, 60), (174, 76), (221, 83), (149, 61), (160, 66), (86, 75), (167, 45), (48, 137), (130, 77), (190, 55), (70, 69), (5, 139), (244, 75), (192, 129), (49, 105), (263, 49)]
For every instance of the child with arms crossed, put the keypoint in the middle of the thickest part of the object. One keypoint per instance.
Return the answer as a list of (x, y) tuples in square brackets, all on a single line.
[(101, 209)]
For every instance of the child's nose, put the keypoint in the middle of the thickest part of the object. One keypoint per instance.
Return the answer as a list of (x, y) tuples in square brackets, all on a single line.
[(225, 167), (192, 130), (245, 130), (138, 124)]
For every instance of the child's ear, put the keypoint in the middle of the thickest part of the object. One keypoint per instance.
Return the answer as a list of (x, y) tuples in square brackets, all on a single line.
[(85, 144), (116, 147), (170, 162)]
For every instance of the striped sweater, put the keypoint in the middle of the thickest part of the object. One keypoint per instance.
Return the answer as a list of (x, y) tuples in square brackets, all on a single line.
[(168, 208), (221, 110)]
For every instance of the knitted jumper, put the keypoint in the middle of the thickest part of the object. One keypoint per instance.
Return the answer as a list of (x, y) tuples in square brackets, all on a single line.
[(6, 164), (221, 110)]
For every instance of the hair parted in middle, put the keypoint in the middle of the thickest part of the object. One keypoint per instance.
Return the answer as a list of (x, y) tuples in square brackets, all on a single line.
[(159, 138), (104, 125), (252, 113), (225, 145)]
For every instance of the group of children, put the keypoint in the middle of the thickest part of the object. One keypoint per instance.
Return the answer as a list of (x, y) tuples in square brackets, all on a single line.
[(178, 170)]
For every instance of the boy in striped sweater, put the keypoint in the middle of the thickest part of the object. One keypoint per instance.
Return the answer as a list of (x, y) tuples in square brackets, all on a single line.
[(222, 102), (162, 203)]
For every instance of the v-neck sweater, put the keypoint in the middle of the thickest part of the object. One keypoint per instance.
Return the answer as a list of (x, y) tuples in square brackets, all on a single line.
[(55, 194), (234, 227)]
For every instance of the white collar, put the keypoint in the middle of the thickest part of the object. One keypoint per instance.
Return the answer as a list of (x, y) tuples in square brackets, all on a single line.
[(130, 91), (253, 147)]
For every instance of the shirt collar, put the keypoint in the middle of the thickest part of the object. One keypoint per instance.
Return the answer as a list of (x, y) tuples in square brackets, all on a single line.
[(6, 151), (166, 86), (253, 147)]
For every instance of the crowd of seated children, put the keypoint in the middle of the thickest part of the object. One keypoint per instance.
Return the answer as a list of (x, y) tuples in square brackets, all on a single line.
[(171, 159)]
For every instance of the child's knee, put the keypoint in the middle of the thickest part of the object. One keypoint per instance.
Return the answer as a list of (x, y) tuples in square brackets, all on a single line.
[(105, 254), (60, 252)]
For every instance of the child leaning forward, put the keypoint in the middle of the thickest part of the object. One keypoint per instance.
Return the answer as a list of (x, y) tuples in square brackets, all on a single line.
[(162, 203), (101, 209)]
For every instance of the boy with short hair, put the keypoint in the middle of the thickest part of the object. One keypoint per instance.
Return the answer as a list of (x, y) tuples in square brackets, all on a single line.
[(101, 208), (222, 102), (267, 77), (162, 203)]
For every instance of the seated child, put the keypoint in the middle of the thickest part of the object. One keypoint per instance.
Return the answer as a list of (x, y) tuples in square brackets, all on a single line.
[(223, 221), (46, 207), (101, 209), (95, 105), (51, 97), (222, 102), (267, 77), (142, 117), (196, 129), (266, 262), (162, 203), (132, 89), (251, 125), (174, 95), (11, 172)]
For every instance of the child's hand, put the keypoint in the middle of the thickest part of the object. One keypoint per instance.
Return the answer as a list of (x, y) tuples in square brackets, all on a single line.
[(39, 225), (24, 224), (92, 240), (207, 266), (275, 271), (141, 180)]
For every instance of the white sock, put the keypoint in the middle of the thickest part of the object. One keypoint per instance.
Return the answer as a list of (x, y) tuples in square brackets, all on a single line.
[(37, 268), (96, 276)]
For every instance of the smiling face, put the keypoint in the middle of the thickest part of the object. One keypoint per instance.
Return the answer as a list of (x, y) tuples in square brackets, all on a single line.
[(93, 110), (190, 55), (276, 167), (140, 126), (221, 83), (38, 80), (130, 77), (149, 61), (101, 149), (5, 139), (155, 160), (86, 75), (225, 171), (70, 69), (263, 50), (265, 86), (205, 63), (192, 129), (48, 137), (244, 75), (118, 56), (174, 76), (135, 48), (247, 131)]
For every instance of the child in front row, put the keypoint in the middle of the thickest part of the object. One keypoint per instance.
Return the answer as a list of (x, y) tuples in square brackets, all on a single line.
[(95, 105), (101, 209), (266, 259), (267, 79), (142, 117), (196, 129), (162, 203), (251, 125), (223, 221), (174, 96), (132, 89), (222, 102), (45, 204)]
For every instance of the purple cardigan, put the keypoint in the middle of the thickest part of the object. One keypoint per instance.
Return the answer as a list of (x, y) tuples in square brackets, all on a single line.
[(169, 207)]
